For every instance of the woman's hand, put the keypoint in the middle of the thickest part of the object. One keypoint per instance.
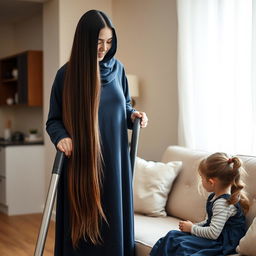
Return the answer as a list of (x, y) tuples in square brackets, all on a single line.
[(185, 226), (142, 115), (65, 145)]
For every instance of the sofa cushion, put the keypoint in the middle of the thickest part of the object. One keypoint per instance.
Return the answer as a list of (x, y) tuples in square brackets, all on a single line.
[(149, 229), (185, 201), (152, 184), (246, 245)]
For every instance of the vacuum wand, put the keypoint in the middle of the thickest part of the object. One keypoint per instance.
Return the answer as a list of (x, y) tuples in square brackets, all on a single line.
[(134, 142), (56, 172)]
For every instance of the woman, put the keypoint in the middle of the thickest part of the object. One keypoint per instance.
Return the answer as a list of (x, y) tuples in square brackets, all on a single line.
[(90, 112)]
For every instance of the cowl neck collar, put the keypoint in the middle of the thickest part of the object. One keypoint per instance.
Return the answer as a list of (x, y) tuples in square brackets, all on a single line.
[(108, 71)]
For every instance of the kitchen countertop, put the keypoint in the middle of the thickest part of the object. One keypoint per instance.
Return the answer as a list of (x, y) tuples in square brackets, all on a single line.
[(4, 143)]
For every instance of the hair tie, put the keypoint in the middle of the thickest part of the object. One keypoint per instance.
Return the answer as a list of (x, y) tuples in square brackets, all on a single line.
[(230, 160)]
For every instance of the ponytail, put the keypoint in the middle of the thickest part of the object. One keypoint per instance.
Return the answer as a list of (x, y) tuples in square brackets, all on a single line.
[(237, 193)]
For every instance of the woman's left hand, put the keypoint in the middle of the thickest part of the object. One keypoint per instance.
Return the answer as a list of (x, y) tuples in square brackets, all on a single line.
[(142, 115)]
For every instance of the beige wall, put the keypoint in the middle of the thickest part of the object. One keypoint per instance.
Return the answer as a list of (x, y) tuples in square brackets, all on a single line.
[(25, 35), (7, 41), (147, 45), (28, 34)]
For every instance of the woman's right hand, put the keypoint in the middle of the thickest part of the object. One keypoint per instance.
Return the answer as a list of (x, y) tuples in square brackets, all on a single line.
[(65, 145)]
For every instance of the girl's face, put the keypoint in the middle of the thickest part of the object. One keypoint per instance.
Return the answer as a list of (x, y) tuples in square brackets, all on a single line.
[(207, 183), (104, 42)]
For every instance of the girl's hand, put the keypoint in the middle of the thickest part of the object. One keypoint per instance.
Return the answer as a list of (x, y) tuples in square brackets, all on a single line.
[(142, 115), (185, 226), (65, 145)]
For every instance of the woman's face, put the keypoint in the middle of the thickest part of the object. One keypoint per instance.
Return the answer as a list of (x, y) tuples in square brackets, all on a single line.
[(104, 42)]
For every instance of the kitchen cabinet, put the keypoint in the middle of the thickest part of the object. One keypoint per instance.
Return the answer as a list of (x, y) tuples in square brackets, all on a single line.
[(21, 79), (21, 179)]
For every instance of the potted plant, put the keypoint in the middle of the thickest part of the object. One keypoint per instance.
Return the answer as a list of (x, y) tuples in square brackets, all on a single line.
[(33, 134)]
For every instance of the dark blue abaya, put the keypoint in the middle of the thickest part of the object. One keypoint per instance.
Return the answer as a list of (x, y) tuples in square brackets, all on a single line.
[(114, 119)]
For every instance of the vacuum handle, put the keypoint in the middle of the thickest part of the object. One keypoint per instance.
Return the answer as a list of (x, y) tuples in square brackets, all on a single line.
[(58, 162), (56, 172), (134, 142)]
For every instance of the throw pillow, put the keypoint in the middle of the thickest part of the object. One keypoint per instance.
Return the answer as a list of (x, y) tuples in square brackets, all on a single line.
[(152, 184), (247, 243)]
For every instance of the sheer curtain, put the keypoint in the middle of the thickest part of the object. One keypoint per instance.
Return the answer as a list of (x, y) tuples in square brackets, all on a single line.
[(216, 75)]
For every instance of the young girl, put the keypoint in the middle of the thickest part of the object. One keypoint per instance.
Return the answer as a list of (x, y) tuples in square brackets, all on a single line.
[(224, 226)]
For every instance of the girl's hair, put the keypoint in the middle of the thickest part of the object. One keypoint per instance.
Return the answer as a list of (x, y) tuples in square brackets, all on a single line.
[(81, 96), (229, 172)]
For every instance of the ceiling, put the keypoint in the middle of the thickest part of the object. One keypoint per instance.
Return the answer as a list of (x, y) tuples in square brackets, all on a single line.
[(14, 11)]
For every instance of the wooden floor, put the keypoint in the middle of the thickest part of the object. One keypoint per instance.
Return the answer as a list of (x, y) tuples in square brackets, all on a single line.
[(18, 235)]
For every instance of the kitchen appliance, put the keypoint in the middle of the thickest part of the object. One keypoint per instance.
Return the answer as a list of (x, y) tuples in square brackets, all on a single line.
[(18, 136)]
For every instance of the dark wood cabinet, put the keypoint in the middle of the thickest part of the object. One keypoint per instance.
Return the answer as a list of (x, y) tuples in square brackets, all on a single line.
[(21, 79)]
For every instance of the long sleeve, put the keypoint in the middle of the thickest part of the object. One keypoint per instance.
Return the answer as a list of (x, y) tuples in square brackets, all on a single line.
[(129, 108), (202, 222), (221, 213), (54, 124)]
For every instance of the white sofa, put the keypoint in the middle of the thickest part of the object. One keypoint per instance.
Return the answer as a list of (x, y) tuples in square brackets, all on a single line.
[(185, 202)]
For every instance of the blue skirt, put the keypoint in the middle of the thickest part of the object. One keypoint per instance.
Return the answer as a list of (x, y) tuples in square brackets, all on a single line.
[(184, 244)]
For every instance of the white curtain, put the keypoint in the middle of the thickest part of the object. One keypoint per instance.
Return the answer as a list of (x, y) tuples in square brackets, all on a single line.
[(216, 75)]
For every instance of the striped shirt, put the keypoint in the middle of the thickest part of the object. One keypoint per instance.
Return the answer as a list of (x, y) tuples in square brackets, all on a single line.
[(221, 212)]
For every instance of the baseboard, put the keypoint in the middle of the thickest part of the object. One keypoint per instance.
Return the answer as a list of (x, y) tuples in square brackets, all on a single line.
[(3, 208)]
